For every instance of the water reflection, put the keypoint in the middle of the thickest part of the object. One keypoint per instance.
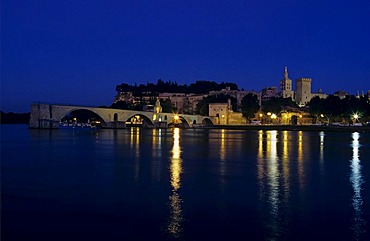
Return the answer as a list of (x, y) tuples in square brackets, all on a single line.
[(174, 227), (156, 153), (322, 139), (358, 223), (222, 149), (273, 180), (135, 147), (176, 161), (285, 162), (222, 156), (268, 177), (300, 159), (260, 165)]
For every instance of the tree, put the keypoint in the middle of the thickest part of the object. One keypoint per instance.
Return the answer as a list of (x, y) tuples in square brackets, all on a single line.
[(276, 104), (334, 108), (121, 105), (202, 86), (14, 118), (167, 106), (249, 106)]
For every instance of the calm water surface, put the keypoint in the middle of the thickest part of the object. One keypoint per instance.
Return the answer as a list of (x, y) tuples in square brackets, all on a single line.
[(144, 184)]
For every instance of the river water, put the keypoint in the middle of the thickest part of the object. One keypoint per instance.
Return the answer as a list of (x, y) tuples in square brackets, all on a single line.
[(192, 184)]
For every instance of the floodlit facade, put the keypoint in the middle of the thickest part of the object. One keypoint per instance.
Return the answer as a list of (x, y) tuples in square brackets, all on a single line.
[(219, 110), (286, 87), (268, 93), (303, 91)]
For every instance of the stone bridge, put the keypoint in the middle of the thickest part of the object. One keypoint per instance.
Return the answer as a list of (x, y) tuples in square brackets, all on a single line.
[(45, 115)]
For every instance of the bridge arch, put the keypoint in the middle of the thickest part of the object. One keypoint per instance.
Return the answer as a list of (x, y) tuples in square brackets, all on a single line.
[(139, 120), (82, 115), (181, 121), (207, 122)]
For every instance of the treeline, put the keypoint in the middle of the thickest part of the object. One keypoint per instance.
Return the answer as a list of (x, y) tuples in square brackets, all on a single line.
[(199, 87), (335, 109), (14, 118)]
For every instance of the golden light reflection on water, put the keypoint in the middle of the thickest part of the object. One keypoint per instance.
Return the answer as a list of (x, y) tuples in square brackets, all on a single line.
[(135, 145), (300, 159), (154, 139), (156, 153), (260, 144), (356, 178), (273, 180), (222, 156), (176, 161), (222, 149), (285, 162), (322, 140), (260, 164), (174, 227), (273, 172)]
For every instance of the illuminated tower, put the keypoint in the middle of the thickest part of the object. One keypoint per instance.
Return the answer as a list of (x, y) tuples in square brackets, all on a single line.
[(286, 85), (157, 107), (303, 91)]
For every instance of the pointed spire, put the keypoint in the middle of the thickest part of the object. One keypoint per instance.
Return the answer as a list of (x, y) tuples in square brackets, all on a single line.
[(286, 72)]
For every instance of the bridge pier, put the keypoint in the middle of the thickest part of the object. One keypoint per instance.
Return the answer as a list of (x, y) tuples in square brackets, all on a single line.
[(160, 124), (116, 125), (42, 117)]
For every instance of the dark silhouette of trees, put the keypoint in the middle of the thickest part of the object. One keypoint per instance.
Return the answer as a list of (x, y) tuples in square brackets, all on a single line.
[(249, 106), (316, 106), (14, 118), (199, 87), (276, 104), (122, 105), (167, 106), (335, 109)]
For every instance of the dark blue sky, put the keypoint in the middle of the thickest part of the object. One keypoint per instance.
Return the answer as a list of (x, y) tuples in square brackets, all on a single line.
[(76, 52)]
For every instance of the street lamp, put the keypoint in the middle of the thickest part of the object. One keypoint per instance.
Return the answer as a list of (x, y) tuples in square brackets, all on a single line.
[(355, 117), (322, 116), (273, 117), (269, 116), (176, 118)]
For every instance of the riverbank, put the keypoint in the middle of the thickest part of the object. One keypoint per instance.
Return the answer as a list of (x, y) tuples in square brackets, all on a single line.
[(291, 128)]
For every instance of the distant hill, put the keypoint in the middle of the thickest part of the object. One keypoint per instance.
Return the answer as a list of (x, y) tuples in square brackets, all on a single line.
[(14, 118)]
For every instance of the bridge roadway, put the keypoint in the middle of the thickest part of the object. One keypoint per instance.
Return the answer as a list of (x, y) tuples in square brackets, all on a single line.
[(45, 115)]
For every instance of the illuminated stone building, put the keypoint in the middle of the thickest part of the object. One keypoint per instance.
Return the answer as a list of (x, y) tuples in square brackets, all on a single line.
[(319, 94), (219, 110), (237, 94), (225, 115), (269, 92), (303, 91), (286, 87), (193, 100)]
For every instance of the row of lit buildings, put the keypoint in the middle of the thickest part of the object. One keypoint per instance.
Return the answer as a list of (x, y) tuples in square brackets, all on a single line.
[(187, 103)]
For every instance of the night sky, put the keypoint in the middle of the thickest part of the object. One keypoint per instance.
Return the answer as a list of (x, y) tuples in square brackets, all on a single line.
[(76, 52)]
